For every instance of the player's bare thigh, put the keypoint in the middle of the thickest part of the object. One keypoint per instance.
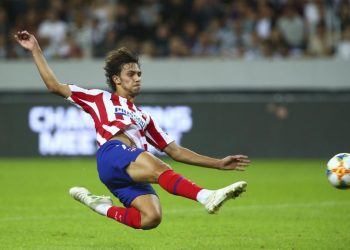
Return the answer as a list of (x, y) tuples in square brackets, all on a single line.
[(150, 209), (146, 168)]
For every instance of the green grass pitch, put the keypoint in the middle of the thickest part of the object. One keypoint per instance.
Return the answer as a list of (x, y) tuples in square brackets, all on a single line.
[(288, 205)]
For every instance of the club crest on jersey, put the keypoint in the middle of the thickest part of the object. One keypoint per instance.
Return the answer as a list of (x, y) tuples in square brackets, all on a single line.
[(136, 116)]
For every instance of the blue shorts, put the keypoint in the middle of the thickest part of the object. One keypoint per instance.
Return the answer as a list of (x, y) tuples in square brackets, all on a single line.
[(113, 157)]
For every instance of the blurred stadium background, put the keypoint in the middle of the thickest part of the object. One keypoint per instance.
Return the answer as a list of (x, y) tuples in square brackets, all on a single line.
[(267, 78)]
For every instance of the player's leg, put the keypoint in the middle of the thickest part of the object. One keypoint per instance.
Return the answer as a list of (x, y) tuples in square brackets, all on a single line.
[(148, 168), (144, 211), (150, 210), (141, 205)]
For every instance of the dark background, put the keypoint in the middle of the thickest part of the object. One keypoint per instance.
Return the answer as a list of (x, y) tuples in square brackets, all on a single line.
[(259, 124)]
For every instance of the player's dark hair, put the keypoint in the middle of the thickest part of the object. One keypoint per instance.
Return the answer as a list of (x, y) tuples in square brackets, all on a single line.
[(115, 61)]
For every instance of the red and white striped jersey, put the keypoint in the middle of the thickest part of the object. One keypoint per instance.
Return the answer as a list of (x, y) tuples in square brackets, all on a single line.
[(112, 113)]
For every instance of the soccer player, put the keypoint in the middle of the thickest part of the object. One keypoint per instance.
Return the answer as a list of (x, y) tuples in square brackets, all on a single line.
[(123, 131)]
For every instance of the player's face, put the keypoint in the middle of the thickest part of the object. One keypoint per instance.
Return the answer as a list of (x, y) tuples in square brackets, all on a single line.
[(129, 81)]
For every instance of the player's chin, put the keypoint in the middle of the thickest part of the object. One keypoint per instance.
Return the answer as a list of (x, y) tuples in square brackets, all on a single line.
[(137, 89)]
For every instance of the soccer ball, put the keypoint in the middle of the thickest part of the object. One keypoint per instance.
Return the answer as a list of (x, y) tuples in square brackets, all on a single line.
[(338, 171)]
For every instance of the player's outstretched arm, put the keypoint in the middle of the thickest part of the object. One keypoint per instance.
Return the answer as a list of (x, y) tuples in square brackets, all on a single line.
[(231, 162), (28, 41)]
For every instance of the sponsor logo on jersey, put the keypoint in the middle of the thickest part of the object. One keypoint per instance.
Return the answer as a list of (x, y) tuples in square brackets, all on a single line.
[(136, 116)]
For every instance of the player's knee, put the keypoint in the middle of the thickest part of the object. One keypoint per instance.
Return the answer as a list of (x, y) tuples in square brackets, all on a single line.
[(161, 169), (154, 221), (151, 220)]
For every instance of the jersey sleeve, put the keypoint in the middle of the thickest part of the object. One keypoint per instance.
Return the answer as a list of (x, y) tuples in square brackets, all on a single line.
[(156, 136), (82, 98)]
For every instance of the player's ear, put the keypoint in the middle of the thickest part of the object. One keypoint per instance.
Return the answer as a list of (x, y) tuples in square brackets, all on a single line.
[(116, 79)]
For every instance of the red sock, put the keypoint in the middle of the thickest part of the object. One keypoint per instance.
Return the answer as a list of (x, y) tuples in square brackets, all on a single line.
[(178, 185), (128, 216)]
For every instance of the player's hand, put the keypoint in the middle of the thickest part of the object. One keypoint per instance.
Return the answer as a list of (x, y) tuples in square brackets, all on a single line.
[(234, 162), (26, 40)]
